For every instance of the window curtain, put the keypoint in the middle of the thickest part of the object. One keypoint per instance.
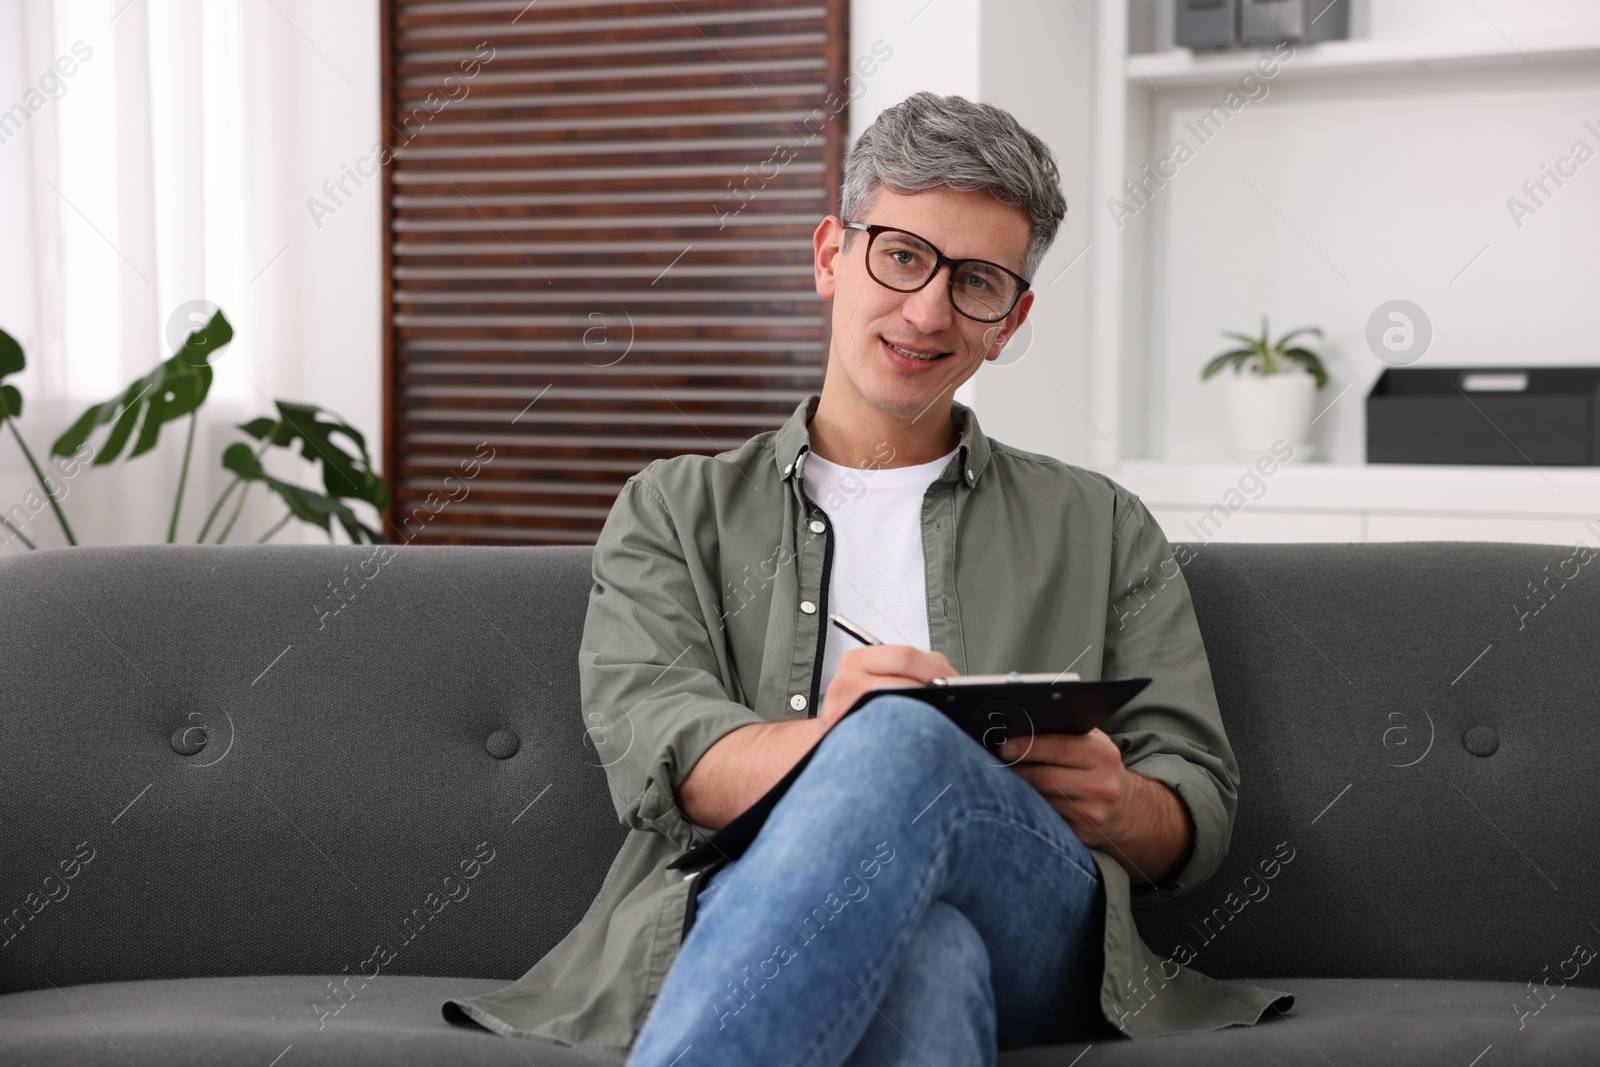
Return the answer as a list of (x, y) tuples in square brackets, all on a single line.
[(156, 155)]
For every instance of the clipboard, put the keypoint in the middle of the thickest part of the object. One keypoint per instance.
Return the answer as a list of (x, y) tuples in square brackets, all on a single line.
[(993, 708), (989, 708)]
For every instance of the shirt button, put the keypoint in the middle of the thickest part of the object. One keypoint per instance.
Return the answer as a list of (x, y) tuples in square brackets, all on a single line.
[(817, 526), (787, 468), (808, 607), (797, 702), (970, 476)]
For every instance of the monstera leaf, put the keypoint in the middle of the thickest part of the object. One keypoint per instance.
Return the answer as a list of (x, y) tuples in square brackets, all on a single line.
[(307, 506), (12, 361), (345, 475), (174, 389)]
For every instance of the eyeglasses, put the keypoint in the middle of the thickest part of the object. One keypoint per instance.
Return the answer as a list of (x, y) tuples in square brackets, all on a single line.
[(900, 260)]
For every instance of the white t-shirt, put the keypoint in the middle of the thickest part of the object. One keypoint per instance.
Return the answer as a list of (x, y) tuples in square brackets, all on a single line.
[(877, 577)]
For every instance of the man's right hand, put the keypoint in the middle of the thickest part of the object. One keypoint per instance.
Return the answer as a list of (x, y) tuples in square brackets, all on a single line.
[(878, 667), (744, 763)]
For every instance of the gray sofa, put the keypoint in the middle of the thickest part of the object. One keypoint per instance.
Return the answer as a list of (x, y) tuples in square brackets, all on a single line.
[(233, 777)]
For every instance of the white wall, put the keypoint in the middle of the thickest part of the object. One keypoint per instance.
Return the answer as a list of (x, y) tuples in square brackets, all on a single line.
[(338, 337), (1437, 18), (1036, 62), (935, 45)]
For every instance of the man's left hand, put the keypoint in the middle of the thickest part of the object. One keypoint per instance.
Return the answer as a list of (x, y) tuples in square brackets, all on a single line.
[(1138, 820), (1082, 777)]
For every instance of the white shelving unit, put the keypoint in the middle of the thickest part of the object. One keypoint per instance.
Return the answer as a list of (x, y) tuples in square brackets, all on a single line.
[(1310, 500), (1202, 502), (1331, 59)]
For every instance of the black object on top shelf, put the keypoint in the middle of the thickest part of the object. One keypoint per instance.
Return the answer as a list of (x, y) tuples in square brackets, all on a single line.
[(1206, 23), (1544, 416), (1224, 23)]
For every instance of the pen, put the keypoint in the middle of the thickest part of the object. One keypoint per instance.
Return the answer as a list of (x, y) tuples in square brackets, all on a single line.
[(852, 629), (857, 632)]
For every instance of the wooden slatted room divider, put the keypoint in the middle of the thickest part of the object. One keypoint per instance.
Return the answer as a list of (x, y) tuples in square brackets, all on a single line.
[(597, 240)]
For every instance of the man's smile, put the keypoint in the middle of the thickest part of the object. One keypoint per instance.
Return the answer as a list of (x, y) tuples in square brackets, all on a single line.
[(910, 354)]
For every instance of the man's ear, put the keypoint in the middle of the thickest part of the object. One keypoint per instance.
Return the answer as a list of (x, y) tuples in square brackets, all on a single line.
[(996, 336), (826, 244)]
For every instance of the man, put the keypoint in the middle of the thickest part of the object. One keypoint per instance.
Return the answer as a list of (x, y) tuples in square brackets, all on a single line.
[(911, 896)]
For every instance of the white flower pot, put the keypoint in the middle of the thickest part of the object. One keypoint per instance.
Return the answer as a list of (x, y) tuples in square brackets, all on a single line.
[(1265, 410)]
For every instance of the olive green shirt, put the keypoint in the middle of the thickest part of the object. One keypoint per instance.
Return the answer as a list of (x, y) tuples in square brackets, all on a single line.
[(707, 614)]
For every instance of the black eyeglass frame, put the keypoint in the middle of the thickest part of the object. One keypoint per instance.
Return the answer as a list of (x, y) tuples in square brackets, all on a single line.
[(940, 260)]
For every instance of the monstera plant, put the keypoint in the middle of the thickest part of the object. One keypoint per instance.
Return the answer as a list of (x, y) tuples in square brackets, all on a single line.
[(175, 390), (345, 475)]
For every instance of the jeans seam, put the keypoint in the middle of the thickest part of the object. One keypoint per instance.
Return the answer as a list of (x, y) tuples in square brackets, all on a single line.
[(907, 932)]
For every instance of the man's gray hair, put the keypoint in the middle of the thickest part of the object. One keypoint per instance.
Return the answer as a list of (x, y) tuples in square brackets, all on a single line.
[(927, 141)]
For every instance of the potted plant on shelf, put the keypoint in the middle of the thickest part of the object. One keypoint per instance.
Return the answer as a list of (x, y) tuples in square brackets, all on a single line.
[(1273, 402)]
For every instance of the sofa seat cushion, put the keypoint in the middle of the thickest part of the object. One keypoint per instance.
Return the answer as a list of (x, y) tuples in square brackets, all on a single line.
[(193, 1021), (396, 1019), (1375, 1021)]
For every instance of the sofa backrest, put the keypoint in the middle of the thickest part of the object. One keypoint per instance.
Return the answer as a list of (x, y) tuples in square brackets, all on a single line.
[(1417, 726), (394, 755), (357, 787)]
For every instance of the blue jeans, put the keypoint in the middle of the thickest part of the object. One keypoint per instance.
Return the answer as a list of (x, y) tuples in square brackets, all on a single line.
[(910, 900)]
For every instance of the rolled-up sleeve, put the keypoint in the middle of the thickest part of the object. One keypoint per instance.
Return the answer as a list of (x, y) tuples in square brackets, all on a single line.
[(652, 672), (1172, 731)]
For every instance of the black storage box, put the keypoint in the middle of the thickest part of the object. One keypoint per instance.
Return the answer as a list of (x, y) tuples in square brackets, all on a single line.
[(1545, 416), (1327, 21), (1206, 23), (1224, 23), (1271, 21)]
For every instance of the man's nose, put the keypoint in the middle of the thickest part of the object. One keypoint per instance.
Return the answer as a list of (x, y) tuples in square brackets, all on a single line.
[(929, 309)]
